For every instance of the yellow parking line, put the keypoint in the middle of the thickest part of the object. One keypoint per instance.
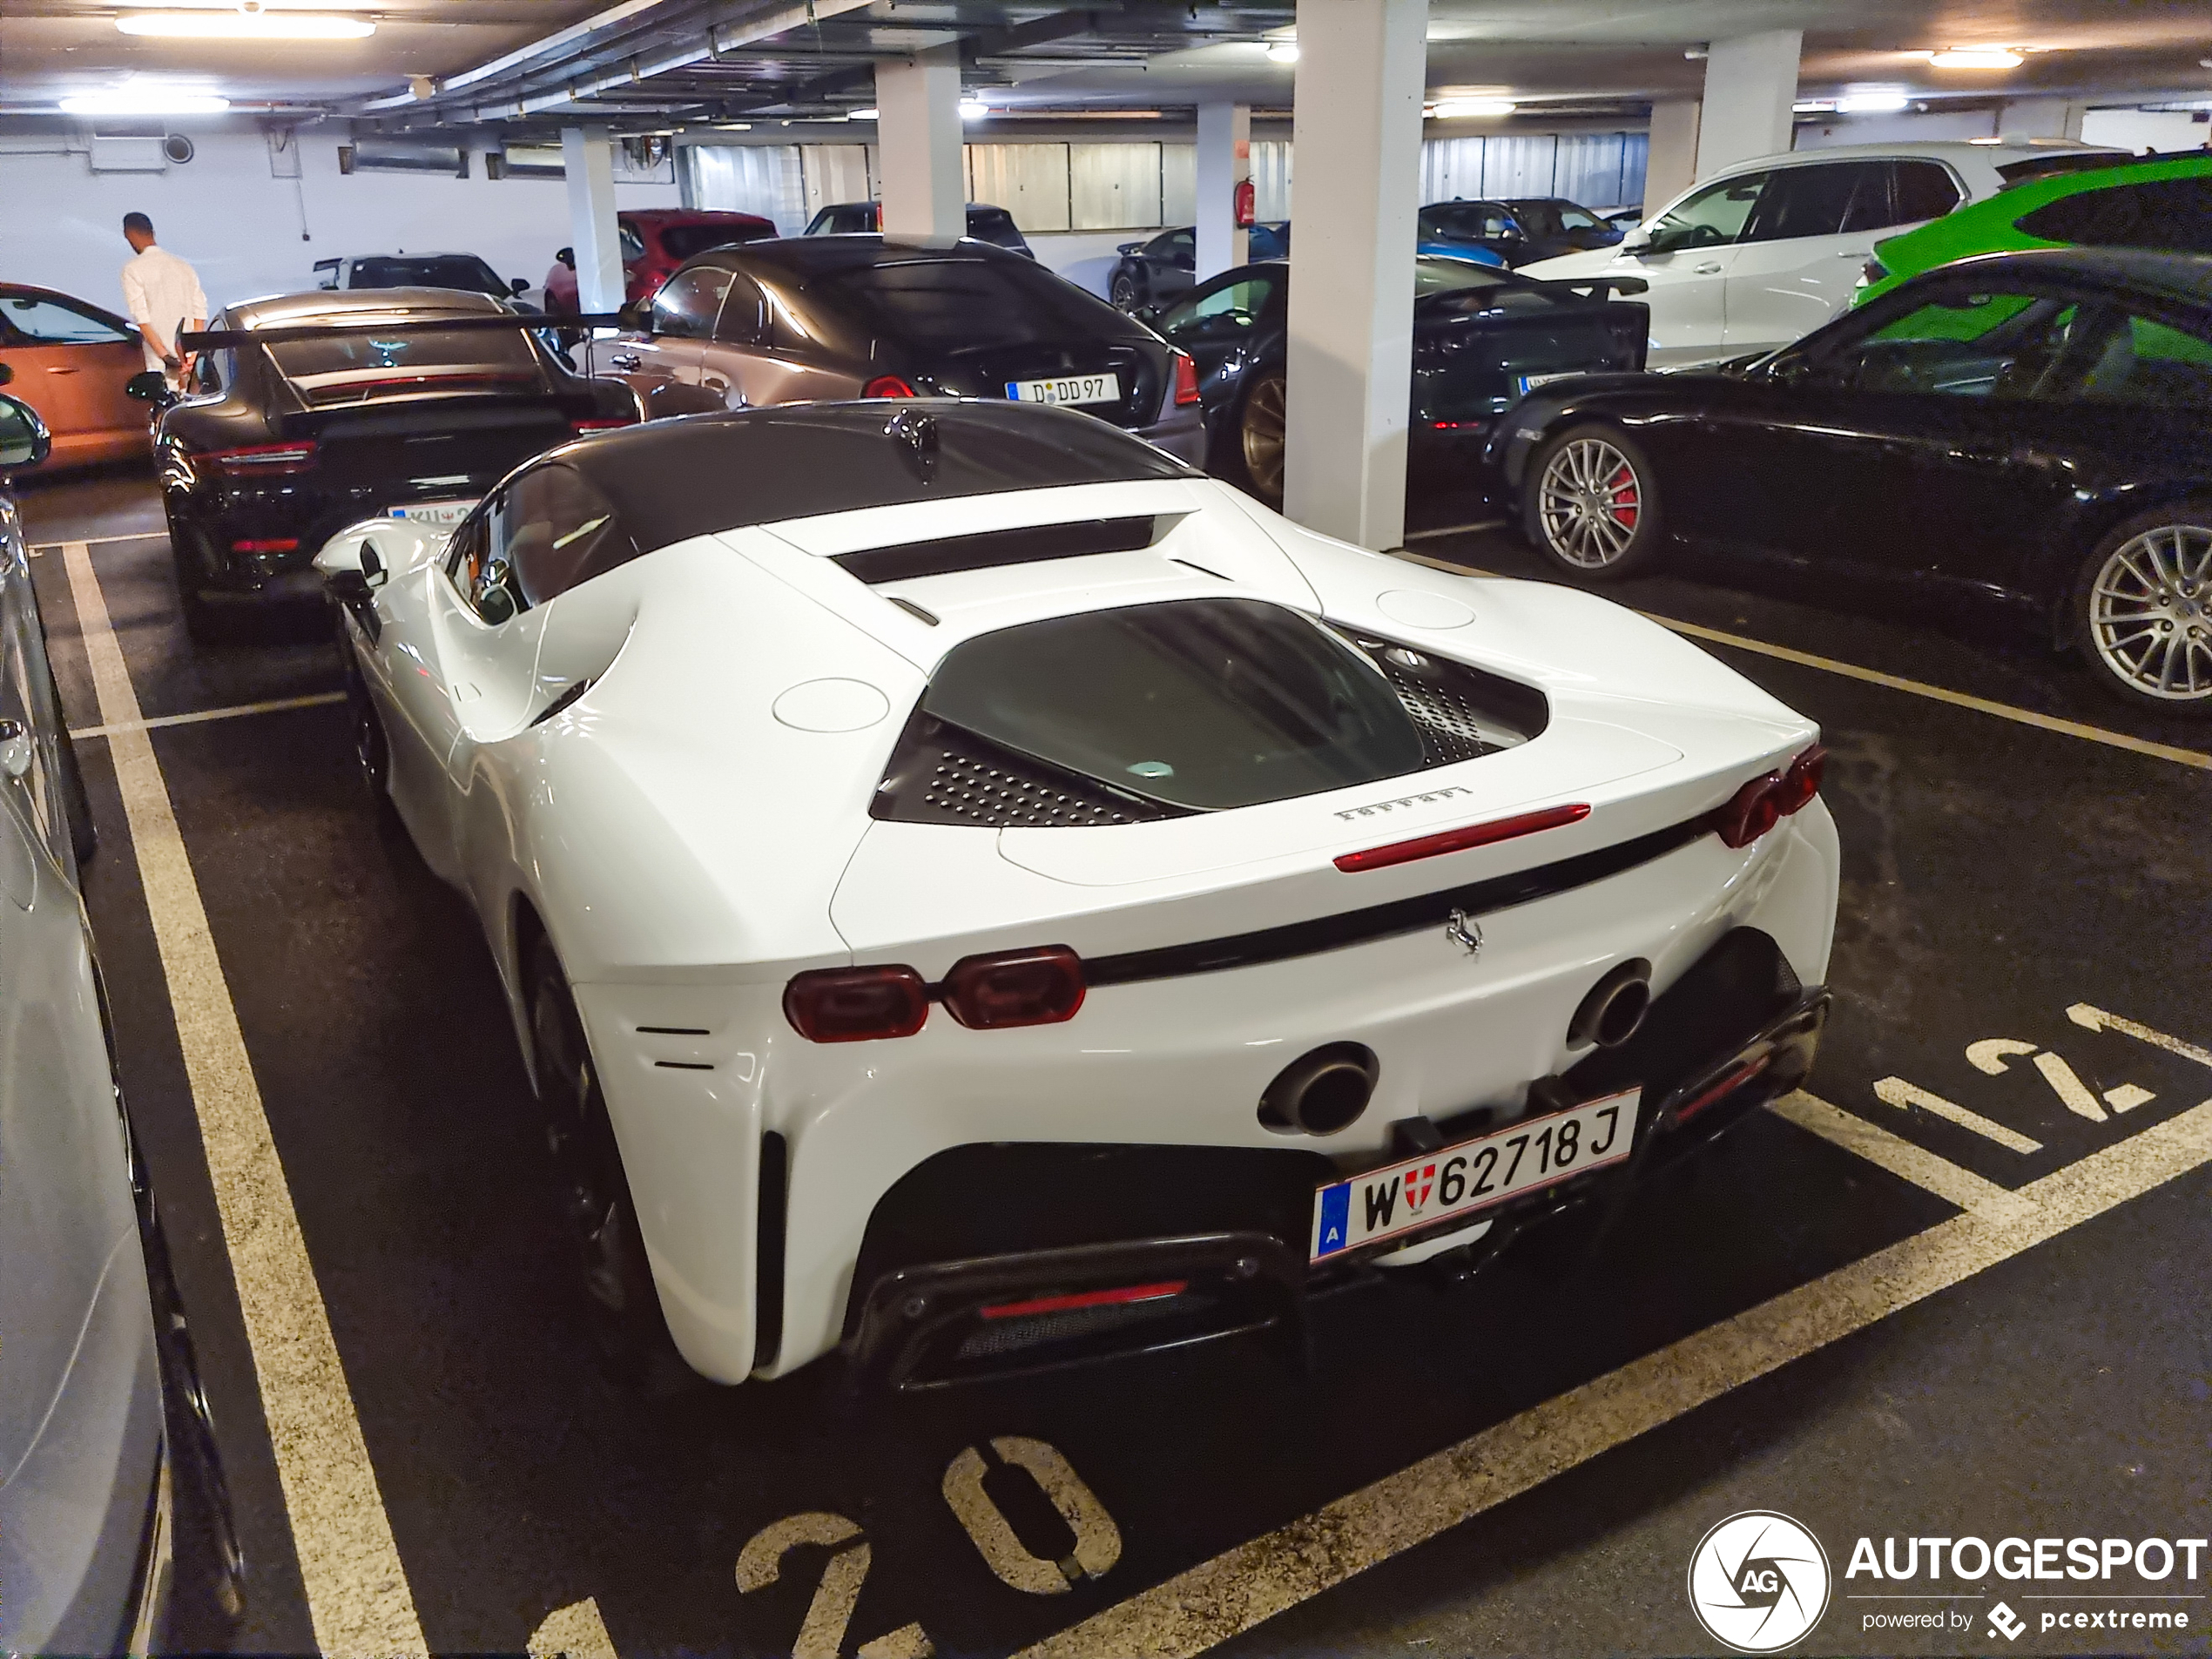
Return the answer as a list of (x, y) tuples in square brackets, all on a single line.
[(1899, 1155), (274, 706), (1255, 1581), (357, 1591)]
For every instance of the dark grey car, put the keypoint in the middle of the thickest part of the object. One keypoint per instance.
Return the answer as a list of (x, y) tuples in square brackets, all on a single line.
[(109, 1487)]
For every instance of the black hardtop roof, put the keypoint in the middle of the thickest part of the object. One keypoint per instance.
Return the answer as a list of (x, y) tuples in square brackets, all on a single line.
[(2184, 277), (801, 257), (673, 480)]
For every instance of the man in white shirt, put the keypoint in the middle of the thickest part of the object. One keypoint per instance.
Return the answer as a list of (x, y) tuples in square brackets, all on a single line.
[(163, 295)]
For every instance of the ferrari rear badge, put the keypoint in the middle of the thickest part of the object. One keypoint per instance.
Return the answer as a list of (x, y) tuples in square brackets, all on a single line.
[(1462, 929)]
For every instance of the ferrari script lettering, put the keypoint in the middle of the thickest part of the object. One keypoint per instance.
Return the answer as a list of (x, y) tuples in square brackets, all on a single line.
[(1373, 807)]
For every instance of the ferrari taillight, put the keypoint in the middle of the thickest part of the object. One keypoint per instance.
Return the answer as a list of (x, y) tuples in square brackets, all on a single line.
[(1186, 380), (1039, 986), (856, 1004), (262, 459), (888, 386), (1764, 802)]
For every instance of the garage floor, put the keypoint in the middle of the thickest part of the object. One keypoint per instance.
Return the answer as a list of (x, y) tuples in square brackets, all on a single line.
[(1957, 1293)]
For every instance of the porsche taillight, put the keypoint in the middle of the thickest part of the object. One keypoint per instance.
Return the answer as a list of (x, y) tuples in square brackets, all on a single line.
[(1186, 380), (1038, 987), (888, 386), (262, 459), (1765, 801)]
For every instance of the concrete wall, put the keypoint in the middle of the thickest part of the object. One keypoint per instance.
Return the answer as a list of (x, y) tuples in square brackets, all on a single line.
[(2147, 129), (242, 226)]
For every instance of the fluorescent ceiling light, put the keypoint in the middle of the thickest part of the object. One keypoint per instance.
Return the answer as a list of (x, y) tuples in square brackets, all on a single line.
[(973, 109), (1872, 103), (1813, 106), (144, 101), (1975, 58), (861, 115), (1451, 108), (1282, 51), (245, 26)]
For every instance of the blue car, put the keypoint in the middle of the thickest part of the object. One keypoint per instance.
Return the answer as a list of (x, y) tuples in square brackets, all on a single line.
[(1513, 232)]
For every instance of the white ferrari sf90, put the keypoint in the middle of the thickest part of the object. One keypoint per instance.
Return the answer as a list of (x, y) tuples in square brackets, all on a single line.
[(978, 894)]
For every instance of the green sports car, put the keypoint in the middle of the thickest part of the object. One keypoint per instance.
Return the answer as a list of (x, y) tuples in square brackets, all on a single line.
[(2165, 205)]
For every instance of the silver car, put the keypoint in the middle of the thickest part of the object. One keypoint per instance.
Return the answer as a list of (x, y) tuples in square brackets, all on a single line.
[(104, 1437)]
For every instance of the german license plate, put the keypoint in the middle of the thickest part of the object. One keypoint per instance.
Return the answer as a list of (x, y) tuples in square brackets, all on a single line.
[(440, 515), (1525, 384), (1070, 389), (1472, 1175)]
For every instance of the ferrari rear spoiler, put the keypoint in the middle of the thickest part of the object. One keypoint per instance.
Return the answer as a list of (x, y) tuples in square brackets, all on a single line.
[(230, 338)]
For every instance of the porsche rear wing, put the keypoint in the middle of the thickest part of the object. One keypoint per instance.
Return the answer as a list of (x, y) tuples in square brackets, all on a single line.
[(231, 338), (1597, 290)]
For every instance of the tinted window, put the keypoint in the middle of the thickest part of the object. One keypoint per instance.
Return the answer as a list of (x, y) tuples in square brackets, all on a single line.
[(2130, 359), (1206, 703), (1713, 216), (947, 304), (1921, 190), (1227, 309), (29, 320), (365, 361), (993, 224), (440, 271), (1988, 344), (685, 307), (553, 530), (672, 480), (743, 321), (1816, 200), (2170, 213), (682, 241)]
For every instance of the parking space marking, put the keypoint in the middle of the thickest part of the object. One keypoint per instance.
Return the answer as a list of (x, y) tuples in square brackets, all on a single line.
[(274, 706), (1455, 529), (37, 548), (357, 1591), (576, 1631), (1254, 1581), (2097, 1019), (1893, 682), (1895, 1091), (1899, 1157)]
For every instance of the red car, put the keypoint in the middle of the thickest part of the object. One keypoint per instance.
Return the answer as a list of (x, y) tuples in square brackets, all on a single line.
[(655, 241)]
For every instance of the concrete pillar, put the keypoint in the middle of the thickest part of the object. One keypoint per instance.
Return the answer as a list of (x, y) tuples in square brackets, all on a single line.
[(918, 137), (1224, 162), (1672, 164), (1750, 84), (1357, 132), (2041, 117), (589, 159)]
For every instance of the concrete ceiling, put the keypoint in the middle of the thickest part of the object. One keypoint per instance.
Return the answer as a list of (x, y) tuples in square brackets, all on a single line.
[(643, 62)]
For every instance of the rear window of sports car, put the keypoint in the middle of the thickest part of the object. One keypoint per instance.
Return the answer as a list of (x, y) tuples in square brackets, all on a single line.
[(1203, 704)]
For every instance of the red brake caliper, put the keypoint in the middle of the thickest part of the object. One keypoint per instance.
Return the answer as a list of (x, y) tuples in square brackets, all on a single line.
[(1621, 495)]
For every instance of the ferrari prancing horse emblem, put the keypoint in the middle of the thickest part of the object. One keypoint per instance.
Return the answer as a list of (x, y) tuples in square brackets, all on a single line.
[(1462, 929)]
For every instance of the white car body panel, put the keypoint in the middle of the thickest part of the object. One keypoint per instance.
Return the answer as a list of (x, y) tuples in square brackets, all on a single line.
[(1711, 303), (689, 850)]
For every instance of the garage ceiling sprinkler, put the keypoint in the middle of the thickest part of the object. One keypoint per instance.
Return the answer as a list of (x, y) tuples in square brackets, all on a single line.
[(250, 21)]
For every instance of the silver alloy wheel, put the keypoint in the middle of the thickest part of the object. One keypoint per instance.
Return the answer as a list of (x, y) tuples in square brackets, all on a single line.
[(2150, 613), (1590, 502)]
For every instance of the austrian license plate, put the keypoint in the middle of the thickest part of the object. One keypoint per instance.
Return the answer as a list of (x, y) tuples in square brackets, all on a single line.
[(1525, 384), (1472, 1175), (442, 514), (1071, 388)]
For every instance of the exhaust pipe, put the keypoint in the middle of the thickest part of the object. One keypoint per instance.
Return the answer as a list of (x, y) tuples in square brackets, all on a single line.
[(1321, 1092), (1614, 1010)]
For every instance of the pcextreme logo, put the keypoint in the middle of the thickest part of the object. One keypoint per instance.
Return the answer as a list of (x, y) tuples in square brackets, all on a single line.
[(1758, 1581)]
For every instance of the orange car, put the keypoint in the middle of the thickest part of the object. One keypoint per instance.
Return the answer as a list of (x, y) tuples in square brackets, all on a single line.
[(69, 361)]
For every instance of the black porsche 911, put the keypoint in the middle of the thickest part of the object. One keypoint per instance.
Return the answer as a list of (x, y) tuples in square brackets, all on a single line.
[(1483, 338), (2034, 427), (313, 410)]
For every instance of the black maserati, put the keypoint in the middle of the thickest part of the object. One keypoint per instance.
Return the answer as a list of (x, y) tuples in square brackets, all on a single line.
[(315, 410), (2036, 427)]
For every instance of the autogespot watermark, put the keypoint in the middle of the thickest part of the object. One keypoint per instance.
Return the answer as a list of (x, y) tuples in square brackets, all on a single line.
[(1759, 1582)]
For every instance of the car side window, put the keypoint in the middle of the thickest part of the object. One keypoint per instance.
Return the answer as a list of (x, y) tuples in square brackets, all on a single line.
[(1988, 344), (687, 304), (633, 246), (1229, 309), (2170, 213), (1820, 199), (2140, 361), (1710, 218), (43, 321), (1920, 189), (466, 553), (560, 530), (743, 318)]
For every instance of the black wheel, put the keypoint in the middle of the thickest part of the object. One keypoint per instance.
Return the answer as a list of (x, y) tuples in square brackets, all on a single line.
[(1125, 295), (1261, 424), (2142, 610), (372, 751), (204, 623), (595, 1209), (1590, 504), (77, 806)]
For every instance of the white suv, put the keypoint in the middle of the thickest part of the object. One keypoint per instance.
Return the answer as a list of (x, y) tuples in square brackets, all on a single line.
[(1767, 251)]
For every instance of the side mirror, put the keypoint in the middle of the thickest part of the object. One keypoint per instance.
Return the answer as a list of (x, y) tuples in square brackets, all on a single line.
[(146, 386), (7, 372), (518, 285), (1148, 315), (1638, 240), (495, 597), (25, 440), (637, 319), (1128, 247)]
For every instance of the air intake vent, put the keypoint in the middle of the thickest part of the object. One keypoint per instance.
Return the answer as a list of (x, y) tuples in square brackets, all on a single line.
[(1462, 712), (1030, 545), (943, 774)]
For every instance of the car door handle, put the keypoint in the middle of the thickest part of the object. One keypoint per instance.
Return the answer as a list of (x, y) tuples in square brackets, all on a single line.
[(1708, 270), (60, 371), (626, 360)]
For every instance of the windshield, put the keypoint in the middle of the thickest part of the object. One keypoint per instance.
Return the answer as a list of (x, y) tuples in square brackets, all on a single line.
[(463, 271), (1551, 216), (362, 361), (948, 305), (1203, 703)]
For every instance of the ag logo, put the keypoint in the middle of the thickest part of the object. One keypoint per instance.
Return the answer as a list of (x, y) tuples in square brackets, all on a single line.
[(1758, 1581)]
